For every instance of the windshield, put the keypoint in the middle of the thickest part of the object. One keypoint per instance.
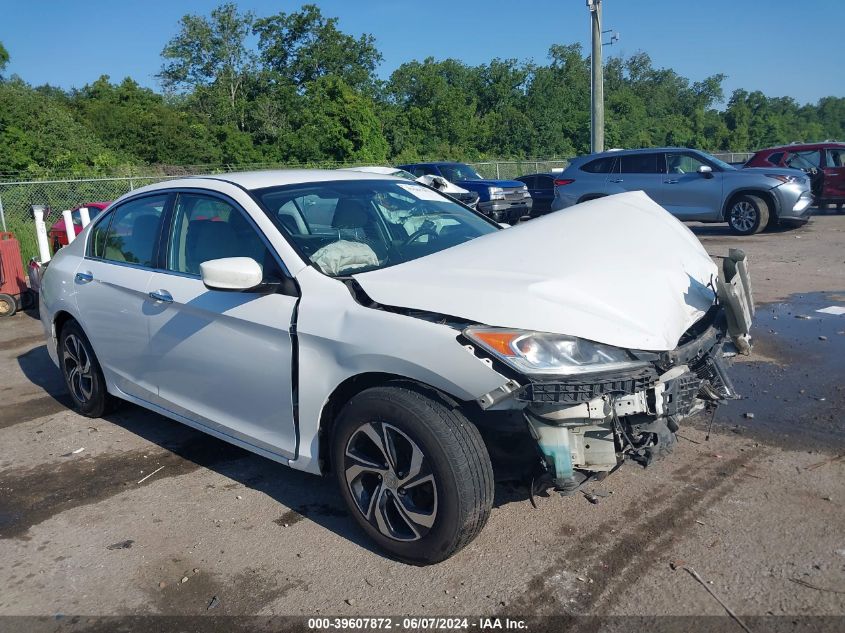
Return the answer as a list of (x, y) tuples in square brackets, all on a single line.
[(353, 226), (720, 163), (459, 172)]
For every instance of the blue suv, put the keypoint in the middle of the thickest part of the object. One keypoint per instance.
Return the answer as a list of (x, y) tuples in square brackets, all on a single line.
[(501, 200)]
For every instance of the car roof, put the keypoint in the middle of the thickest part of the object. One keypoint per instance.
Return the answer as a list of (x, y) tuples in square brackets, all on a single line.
[(436, 162), (802, 146), (267, 178), (373, 169)]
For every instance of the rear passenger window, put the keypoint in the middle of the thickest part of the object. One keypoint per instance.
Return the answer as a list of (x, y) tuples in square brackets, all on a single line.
[(640, 164), (97, 245), (205, 228), (133, 232), (774, 159), (600, 165)]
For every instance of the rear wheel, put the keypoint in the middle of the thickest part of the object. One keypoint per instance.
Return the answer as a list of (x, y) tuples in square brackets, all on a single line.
[(82, 372), (413, 471), (748, 215), (8, 305)]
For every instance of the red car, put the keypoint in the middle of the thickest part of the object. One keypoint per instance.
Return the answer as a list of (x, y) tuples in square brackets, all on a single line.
[(824, 162), (57, 233)]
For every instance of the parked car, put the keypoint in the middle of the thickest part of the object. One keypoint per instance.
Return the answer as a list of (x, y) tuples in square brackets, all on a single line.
[(287, 312), (469, 198), (543, 190), (57, 234), (823, 162), (502, 200), (691, 185)]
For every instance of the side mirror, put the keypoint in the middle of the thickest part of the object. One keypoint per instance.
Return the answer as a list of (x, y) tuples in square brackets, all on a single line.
[(231, 273), (705, 170)]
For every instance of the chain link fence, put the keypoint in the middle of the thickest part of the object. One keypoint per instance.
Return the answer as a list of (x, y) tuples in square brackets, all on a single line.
[(17, 196)]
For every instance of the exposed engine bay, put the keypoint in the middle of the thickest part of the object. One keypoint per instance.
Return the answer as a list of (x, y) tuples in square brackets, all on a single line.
[(587, 427)]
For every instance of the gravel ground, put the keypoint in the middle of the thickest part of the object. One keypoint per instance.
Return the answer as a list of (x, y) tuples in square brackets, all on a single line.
[(153, 517)]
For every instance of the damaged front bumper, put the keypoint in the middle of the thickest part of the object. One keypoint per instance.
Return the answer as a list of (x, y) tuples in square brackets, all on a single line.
[(585, 427)]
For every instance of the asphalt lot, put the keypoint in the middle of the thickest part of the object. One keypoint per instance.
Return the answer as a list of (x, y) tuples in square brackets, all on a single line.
[(758, 510)]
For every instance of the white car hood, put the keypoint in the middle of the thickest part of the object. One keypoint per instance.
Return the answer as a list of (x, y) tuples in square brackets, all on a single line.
[(618, 270)]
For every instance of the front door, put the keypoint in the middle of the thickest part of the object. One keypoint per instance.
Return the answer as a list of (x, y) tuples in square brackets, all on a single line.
[(834, 175), (111, 284), (222, 359), (688, 194)]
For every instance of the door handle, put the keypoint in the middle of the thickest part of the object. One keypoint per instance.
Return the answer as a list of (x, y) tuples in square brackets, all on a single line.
[(162, 296), (84, 278), (618, 180), (671, 182)]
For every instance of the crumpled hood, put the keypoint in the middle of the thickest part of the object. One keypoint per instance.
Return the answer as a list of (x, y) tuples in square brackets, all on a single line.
[(619, 270)]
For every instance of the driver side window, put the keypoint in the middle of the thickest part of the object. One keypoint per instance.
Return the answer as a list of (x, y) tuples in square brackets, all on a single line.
[(683, 163), (205, 228)]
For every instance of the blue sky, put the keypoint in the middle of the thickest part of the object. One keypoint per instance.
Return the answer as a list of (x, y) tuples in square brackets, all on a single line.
[(782, 47)]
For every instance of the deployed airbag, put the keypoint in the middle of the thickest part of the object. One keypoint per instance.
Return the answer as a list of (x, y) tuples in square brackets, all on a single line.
[(344, 255)]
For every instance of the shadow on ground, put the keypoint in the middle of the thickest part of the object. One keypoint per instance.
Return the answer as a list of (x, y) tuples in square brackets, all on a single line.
[(38, 493)]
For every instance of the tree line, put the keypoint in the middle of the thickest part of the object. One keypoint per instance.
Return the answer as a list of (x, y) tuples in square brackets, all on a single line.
[(293, 88)]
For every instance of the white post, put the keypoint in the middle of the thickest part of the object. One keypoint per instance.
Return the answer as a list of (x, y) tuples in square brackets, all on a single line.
[(69, 228), (84, 216), (41, 234)]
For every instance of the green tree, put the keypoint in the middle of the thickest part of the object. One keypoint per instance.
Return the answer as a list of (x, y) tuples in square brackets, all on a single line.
[(137, 121), (210, 58), (436, 107), (303, 46), (339, 124), (4, 57), (38, 134)]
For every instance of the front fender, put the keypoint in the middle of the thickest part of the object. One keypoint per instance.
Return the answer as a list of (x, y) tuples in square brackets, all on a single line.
[(338, 338)]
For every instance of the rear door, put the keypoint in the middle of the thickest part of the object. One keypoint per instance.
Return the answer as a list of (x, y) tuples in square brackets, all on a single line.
[(111, 284), (834, 175), (688, 194), (639, 172), (544, 190), (222, 359)]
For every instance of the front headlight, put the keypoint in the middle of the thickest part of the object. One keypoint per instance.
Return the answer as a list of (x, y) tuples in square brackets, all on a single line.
[(497, 193), (525, 193), (535, 353), (787, 179)]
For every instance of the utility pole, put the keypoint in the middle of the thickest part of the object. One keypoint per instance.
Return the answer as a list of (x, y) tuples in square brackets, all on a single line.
[(597, 80)]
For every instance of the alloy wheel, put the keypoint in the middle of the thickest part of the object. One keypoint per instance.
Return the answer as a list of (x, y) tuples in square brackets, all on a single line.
[(390, 481), (78, 369), (743, 216)]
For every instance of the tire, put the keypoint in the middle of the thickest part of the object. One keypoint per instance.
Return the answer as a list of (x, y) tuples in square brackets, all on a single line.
[(28, 299), (747, 215), (445, 504), (8, 305), (82, 373)]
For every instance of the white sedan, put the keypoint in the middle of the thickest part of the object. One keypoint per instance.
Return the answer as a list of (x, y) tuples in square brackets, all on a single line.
[(295, 314)]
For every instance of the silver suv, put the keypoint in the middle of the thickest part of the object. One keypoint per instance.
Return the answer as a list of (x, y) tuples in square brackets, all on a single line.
[(691, 185)]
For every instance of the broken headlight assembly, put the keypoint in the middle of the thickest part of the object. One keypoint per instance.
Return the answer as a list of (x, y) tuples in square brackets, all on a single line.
[(541, 353)]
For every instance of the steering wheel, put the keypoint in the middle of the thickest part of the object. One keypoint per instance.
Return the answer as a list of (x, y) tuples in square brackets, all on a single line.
[(423, 230)]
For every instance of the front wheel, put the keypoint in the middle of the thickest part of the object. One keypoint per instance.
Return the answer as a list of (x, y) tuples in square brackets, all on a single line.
[(748, 215), (413, 471)]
